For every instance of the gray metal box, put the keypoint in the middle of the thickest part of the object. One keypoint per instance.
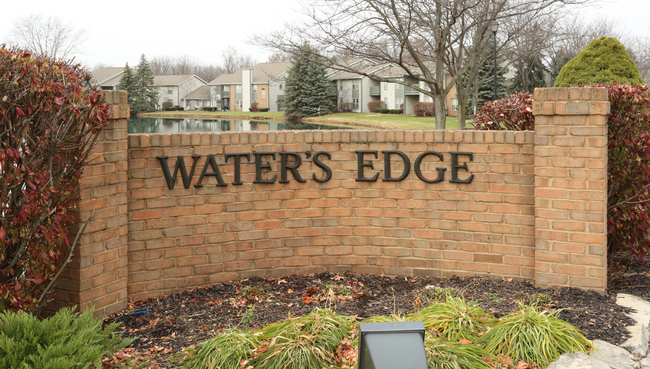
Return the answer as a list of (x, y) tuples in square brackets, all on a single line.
[(392, 345)]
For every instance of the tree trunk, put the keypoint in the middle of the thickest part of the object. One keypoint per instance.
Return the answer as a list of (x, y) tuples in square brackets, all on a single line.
[(461, 113), (441, 117)]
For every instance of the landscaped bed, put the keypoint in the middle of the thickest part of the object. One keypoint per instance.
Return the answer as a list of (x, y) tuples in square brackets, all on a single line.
[(181, 320)]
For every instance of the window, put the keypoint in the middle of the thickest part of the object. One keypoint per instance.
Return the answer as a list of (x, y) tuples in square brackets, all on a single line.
[(385, 86), (237, 104), (356, 103), (170, 90), (386, 102), (263, 94), (454, 104), (355, 85), (398, 102), (238, 89)]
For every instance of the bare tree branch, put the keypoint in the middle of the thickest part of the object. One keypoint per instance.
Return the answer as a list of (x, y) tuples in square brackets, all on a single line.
[(50, 37)]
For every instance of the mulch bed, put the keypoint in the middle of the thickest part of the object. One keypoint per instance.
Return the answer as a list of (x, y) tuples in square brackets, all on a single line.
[(184, 319)]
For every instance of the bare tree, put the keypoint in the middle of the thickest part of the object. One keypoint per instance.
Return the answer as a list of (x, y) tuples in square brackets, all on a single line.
[(428, 39), (185, 64), (233, 61), (51, 37), (279, 57)]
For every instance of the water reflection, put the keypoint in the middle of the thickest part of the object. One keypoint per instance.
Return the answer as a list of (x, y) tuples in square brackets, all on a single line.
[(164, 125)]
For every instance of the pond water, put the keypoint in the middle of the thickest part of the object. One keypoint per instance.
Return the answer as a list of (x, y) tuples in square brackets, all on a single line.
[(164, 125)]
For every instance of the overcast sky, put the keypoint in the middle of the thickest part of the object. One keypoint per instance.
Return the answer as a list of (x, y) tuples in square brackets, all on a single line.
[(119, 31)]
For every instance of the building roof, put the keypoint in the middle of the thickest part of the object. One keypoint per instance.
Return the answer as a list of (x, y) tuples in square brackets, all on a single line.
[(368, 69), (173, 80), (201, 93), (262, 73), (107, 76)]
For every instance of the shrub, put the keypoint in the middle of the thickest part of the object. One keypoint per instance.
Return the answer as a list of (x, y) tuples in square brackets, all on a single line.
[(254, 107), (49, 116), (66, 340), (628, 170), (264, 110), (173, 108), (534, 337), (167, 105), (395, 111), (513, 112), (346, 107), (208, 108), (381, 110), (425, 109), (376, 104), (604, 60)]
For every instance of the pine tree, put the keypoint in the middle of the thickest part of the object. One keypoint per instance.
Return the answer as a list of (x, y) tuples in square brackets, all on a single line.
[(127, 83), (535, 74), (145, 97), (307, 93), (486, 88), (604, 60)]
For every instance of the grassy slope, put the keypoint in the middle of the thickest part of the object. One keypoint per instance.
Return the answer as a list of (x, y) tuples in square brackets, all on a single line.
[(388, 121)]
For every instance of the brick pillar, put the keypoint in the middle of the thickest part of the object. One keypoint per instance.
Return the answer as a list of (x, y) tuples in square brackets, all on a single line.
[(98, 274), (571, 187)]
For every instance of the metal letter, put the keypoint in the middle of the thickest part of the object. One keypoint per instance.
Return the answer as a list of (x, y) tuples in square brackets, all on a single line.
[(180, 164), (215, 172), (360, 176), (325, 168), (405, 159), (455, 166), (259, 166), (418, 170), (237, 164), (293, 168)]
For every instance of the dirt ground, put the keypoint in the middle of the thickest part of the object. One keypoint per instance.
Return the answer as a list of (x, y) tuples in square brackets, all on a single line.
[(168, 324)]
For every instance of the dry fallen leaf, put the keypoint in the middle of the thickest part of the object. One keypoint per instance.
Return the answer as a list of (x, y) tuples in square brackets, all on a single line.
[(465, 342)]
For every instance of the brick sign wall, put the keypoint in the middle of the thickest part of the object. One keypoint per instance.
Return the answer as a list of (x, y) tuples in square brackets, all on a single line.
[(525, 205)]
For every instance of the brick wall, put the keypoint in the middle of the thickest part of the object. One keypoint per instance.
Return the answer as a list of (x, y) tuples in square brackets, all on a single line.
[(571, 186), (535, 209), (98, 273)]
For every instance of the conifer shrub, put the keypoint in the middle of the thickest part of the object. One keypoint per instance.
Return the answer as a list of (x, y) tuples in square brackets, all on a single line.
[(64, 341), (50, 115), (603, 61), (425, 109), (264, 110), (512, 113), (381, 110), (376, 104)]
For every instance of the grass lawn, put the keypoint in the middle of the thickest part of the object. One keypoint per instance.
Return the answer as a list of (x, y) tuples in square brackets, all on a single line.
[(370, 120), (389, 121)]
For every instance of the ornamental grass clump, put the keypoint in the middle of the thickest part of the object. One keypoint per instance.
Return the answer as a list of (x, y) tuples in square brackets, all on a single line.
[(443, 354), (534, 336), (225, 351), (455, 318), (65, 341), (306, 342)]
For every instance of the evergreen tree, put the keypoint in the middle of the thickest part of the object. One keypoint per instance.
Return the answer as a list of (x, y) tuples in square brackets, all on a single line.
[(307, 93), (486, 87), (145, 96), (535, 77), (604, 60), (127, 83), (557, 62)]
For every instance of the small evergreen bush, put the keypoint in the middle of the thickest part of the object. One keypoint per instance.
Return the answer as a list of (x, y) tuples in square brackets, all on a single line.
[(604, 60), (264, 110), (376, 104), (381, 111), (65, 341), (396, 111), (425, 109)]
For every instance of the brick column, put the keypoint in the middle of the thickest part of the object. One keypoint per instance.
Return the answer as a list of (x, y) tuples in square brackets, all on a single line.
[(571, 187), (98, 274)]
